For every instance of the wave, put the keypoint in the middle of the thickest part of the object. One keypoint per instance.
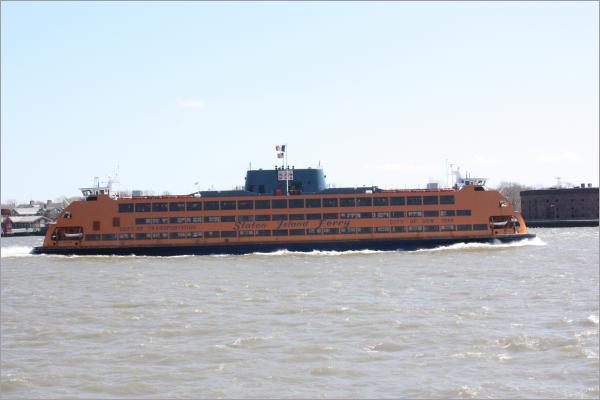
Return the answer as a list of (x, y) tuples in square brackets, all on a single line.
[(319, 252), (16, 251), (536, 241), (26, 251)]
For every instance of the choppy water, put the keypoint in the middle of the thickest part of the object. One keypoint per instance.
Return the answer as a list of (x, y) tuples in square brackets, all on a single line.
[(469, 320)]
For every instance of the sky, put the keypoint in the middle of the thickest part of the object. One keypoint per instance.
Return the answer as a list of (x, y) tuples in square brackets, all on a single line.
[(181, 96)]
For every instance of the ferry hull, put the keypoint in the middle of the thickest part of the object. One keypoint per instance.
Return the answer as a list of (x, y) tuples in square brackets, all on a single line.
[(375, 244)]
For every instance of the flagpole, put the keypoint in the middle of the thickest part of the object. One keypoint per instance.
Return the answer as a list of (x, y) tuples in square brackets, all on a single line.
[(286, 171)]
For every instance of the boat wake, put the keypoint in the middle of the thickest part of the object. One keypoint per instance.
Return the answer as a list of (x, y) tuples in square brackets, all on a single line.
[(319, 252), (536, 241), (26, 251), (16, 251)]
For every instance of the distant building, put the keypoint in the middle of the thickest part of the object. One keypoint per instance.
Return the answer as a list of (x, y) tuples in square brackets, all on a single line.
[(561, 207), (24, 225), (26, 211)]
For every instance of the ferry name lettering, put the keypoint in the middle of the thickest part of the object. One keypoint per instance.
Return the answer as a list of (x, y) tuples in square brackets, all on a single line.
[(332, 224), (285, 224), (248, 225)]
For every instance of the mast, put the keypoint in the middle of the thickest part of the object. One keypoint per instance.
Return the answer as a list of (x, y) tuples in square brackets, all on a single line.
[(287, 176)]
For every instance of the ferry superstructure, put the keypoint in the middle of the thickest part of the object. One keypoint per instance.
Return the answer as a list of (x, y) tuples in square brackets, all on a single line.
[(283, 208)]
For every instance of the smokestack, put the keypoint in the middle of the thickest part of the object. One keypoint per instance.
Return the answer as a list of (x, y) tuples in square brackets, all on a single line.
[(583, 185)]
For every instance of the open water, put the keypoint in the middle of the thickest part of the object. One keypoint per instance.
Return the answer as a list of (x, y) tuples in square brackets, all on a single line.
[(470, 320)]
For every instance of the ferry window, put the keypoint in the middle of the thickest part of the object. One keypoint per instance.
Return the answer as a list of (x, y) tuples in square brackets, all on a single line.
[(92, 237), (280, 217), (349, 215), (382, 214), (313, 203), (449, 199), (366, 215), (263, 218), (227, 234), (398, 229), (245, 218), (211, 205), (140, 221), (363, 202), (380, 201), (366, 230), (280, 232), (109, 236), (159, 207), (313, 216), (212, 234), (432, 213), (330, 202), (414, 200), (262, 204), (141, 236), (329, 231), (180, 235), (297, 217), (296, 203), (162, 220), (96, 225), (383, 229), (212, 219), (116, 222), (246, 233), (228, 218), (262, 232), (126, 236), (414, 214), (347, 202), (261, 188), (415, 228), (245, 205), (397, 214), (432, 228), (123, 208), (143, 207), (180, 220), (447, 213), (447, 227), (397, 201), (330, 216), (430, 200), (297, 232), (463, 213), (480, 227), (228, 205), (176, 206), (194, 206), (279, 203), (197, 234)]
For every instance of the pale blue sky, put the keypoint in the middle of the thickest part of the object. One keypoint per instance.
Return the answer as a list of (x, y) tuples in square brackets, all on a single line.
[(380, 93)]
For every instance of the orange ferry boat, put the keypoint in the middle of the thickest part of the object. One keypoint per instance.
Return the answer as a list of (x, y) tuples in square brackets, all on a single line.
[(279, 209)]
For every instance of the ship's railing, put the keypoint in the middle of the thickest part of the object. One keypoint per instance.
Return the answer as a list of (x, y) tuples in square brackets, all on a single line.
[(417, 190)]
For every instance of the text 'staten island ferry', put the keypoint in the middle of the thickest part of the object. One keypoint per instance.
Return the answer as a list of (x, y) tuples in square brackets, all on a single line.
[(279, 209)]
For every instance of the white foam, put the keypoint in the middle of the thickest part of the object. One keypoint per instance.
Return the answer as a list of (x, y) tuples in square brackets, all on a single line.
[(16, 251), (593, 319), (536, 241), (318, 252)]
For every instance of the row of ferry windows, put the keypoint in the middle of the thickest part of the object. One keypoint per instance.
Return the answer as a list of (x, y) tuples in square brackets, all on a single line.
[(300, 217), (286, 232), (285, 203)]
